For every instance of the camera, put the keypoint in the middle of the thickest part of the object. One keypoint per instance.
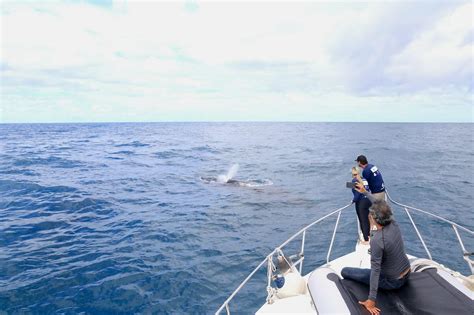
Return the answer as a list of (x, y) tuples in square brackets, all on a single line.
[(350, 185)]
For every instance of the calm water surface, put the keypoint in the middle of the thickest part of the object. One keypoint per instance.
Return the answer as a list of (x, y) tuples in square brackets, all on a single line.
[(113, 218)]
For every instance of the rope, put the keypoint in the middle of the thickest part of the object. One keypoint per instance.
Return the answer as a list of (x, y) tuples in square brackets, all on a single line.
[(271, 266), (270, 270)]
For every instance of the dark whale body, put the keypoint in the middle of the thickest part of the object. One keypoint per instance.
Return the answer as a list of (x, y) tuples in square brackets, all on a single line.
[(214, 180)]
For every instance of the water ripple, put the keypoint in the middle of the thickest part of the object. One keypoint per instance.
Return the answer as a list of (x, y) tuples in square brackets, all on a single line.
[(114, 218)]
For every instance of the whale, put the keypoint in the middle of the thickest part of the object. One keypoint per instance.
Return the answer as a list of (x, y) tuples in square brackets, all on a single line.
[(236, 182), (211, 179), (228, 179)]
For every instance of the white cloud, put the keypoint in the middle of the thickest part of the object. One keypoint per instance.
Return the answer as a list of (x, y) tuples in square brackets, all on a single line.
[(439, 56), (213, 59)]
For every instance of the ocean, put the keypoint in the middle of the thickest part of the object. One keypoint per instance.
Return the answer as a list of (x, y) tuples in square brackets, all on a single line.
[(117, 218)]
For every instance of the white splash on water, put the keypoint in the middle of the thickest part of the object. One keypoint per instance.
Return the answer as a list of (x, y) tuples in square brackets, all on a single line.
[(232, 171), (222, 179), (230, 174), (228, 179)]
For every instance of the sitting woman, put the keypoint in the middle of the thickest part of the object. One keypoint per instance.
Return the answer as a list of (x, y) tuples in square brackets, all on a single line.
[(362, 205)]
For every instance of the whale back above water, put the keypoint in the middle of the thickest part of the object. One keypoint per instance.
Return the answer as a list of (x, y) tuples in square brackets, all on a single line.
[(228, 179), (235, 182)]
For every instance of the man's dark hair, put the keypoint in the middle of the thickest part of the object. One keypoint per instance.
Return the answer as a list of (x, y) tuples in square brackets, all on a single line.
[(362, 159), (381, 212)]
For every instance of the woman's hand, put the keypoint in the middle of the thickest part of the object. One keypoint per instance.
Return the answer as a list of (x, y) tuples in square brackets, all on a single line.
[(360, 188), (370, 306)]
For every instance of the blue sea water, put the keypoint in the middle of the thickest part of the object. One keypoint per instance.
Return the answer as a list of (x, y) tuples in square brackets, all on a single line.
[(113, 218)]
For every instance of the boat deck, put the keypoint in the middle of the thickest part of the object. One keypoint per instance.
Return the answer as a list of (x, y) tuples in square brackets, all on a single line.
[(359, 258), (323, 291), (323, 287)]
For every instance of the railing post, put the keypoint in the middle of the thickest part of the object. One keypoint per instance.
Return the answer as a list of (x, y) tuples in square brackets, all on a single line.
[(419, 235), (302, 251), (464, 251), (333, 236), (227, 309)]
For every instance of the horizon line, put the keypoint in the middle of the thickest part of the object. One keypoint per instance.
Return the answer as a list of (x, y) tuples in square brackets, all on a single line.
[(237, 121)]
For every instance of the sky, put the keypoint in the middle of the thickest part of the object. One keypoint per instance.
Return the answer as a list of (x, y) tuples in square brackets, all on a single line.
[(121, 61)]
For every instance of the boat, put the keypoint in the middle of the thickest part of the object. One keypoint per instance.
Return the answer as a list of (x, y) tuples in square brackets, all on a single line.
[(432, 288)]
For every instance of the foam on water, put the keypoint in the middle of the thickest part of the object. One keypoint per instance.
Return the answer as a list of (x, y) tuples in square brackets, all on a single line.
[(256, 182)]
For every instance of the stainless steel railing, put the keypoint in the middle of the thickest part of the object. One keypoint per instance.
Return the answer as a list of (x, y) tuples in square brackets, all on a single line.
[(278, 251), (455, 226), (269, 259)]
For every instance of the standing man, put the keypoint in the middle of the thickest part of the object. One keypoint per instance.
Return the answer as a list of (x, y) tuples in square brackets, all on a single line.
[(373, 176)]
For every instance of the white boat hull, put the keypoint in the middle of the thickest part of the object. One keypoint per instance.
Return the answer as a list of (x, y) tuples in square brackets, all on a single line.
[(322, 295)]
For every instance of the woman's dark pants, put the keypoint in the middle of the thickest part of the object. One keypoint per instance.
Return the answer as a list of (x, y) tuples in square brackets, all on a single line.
[(362, 209)]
